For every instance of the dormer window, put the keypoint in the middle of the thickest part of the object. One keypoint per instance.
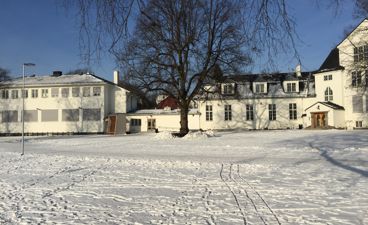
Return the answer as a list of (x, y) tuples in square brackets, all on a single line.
[(260, 87), (291, 87), (228, 89)]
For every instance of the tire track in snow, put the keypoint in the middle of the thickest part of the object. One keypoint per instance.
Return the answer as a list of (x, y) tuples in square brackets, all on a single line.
[(206, 196)]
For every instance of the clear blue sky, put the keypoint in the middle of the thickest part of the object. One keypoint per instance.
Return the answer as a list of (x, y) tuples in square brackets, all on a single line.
[(41, 32)]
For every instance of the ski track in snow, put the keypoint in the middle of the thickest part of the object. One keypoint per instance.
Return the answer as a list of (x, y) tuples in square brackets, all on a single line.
[(247, 178)]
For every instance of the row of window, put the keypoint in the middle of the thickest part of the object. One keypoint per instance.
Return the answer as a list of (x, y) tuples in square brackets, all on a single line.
[(51, 115), (249, 112), (54, 92), (229, 89)]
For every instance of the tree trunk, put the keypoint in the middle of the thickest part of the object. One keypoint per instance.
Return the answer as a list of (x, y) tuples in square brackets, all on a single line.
[(184, 120)]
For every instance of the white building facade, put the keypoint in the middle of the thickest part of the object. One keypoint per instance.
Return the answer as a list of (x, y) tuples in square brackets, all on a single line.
[(62, 104)]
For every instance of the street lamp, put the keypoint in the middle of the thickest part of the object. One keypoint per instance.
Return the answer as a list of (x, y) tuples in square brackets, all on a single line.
[(23, 66)]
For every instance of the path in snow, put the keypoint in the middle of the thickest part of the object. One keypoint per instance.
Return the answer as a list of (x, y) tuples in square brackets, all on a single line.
[(235, 178)]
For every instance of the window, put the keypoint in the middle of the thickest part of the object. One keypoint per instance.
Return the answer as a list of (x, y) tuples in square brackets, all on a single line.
[(357, 104), (91, 114), (209, 113), (292, 111), (260, 88), (135, 122), (291, 87), (5, 94), (14, 94), (228, 89), (70, 114), (249, 112), (75, 91), (49, 115), (327, 77), (272, 111), (9, 116), (228, 113), (356, 79), (360, 53), (24, 93), (44, 93), (34, 93), (30, 115), (328, 94), (65, 92), (86, 91), (54, 92), (358, 124), (96, 91)]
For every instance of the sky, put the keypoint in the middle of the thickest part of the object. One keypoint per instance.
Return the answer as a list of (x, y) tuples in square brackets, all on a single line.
[(42, 32)]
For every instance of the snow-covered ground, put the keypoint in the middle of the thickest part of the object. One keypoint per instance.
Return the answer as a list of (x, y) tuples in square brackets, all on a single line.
[(268, 177)]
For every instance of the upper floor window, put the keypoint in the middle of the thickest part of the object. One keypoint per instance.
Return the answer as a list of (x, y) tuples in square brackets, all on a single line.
[(361, 53), (5, 94), (272, 111), (65, 92), (34, 93), (96, 91), (249, 114), (75, 91), (328, 94), (44, 93), (228, 89), (14, 94), (24, 93), (291, 87), (209, 113), (357, 103), (86, 91), (260, 88), (54, 92), (228, 113), (356, 78), (327, 77), (292, 111)]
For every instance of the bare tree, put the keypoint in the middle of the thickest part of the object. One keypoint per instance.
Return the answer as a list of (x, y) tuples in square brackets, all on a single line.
[(4, 74), (175, 44)]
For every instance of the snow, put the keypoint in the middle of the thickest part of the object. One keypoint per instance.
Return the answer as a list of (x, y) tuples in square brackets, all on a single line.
[(261, 177)]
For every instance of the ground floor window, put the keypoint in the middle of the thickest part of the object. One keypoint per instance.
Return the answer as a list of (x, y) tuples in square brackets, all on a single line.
[(358, 124), (30, 115), (249, 114), (228, 113), (10, 116), (70, 115), (292, 111), (272, 111), (49, 115), (209, 113), (357, 104), (135, 122), (91, 114)]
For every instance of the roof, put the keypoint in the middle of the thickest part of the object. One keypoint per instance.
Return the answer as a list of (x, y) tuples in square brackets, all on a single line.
[(332, 62), (168, 102), (161, 112), (328, 104), (56, 80), (267, 77)]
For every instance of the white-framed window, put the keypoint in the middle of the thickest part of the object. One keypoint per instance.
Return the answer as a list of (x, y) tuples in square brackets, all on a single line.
[(328, 94), (249, 113), (209, 113), (30, 115), (70, 115), (135, 122), (358, 124), (9, 116), (96, 91), (357, 104), (327, 77), (228, 89), (25, 93), (65, 92), (75, 91), (14, 94), (356, 79), (228, 113), (91, 114), (86, 91), (44, 93), (361, 53), (293, 113), (291, 87), (34, 93), (5, 94), (272, 111), (54, 92), (260, 88)]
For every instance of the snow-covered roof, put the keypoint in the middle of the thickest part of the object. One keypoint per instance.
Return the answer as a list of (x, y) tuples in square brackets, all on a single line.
[(56, 80), (162, 112)]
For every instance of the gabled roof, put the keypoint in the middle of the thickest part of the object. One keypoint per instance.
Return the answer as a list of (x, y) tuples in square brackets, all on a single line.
[(332, 62), (328, 104), (268, 77)]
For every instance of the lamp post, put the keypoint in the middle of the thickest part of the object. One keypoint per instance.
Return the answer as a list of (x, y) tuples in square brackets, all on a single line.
[(23, 93)]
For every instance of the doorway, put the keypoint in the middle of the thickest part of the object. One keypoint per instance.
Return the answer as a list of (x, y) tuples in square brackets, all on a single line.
[(319, 120), (151, 124)]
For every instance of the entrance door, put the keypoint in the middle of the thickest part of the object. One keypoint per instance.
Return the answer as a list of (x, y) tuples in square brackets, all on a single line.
[(151, 124), (111, 125), (319, 120)]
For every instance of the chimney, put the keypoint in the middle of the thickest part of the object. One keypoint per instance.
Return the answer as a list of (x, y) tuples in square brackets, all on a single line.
[(116, 77), (298, 70), (57, 73)]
